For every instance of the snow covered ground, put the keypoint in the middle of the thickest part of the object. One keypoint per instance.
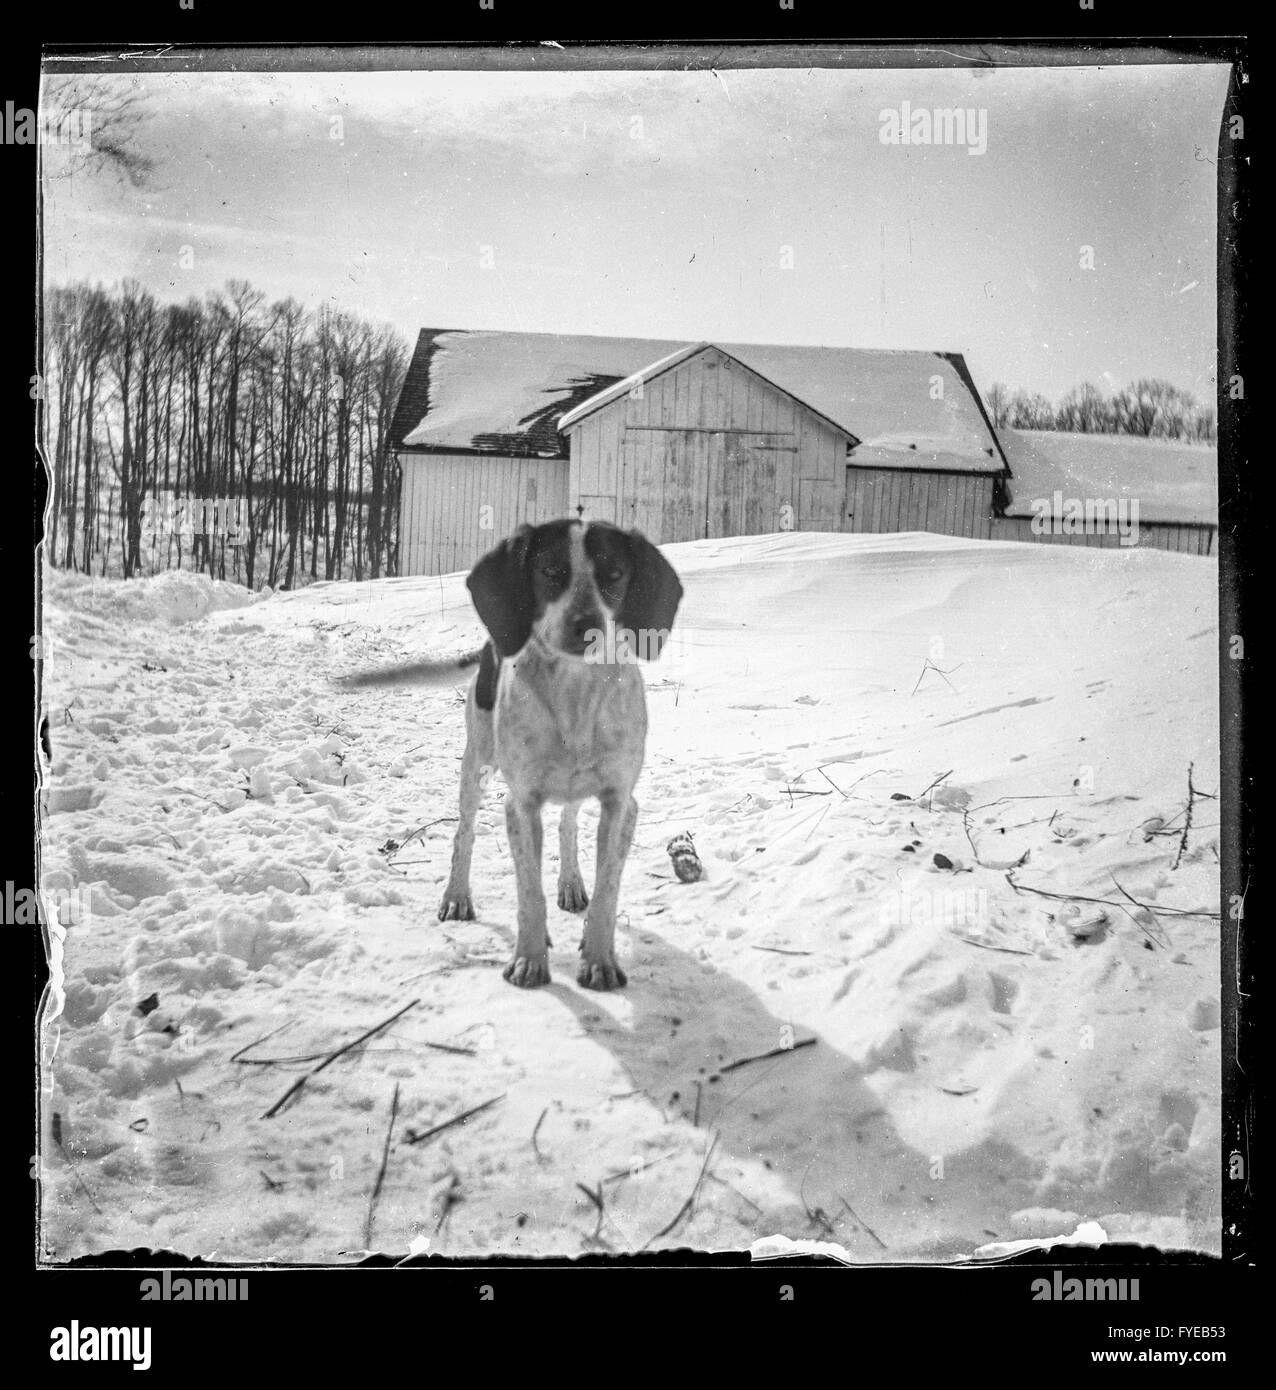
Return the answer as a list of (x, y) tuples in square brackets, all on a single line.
[(881, 745)]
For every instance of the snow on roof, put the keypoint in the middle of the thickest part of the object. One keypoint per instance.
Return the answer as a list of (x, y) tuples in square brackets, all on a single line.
[(509, 392), (627, 384), (919, 451), (1173, 481)]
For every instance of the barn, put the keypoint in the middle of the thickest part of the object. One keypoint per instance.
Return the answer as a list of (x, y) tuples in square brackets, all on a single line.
[(683, 440), (1056, 477)]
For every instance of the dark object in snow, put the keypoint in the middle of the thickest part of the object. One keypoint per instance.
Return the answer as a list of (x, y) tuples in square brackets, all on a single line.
[(942, 861), (900, 796), (686, 862), (147, 1006)]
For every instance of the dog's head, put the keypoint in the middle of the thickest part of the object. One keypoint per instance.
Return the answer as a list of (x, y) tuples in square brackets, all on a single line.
[(580, 587)]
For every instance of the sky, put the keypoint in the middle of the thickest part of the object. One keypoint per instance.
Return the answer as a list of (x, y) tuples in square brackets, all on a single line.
[(738, 206)]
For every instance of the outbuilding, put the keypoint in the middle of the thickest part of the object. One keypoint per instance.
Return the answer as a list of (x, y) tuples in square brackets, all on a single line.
[(683, 441), (1109, 490)]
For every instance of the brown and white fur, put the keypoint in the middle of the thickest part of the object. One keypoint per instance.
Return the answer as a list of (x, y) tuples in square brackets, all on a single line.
[(561, 718)]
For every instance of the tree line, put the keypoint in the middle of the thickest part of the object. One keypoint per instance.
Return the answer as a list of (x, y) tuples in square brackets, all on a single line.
[(150, 409), (1150, 407)]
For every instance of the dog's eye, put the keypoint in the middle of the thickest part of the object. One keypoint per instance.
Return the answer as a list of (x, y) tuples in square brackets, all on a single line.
[(610, 576), (554, 573)]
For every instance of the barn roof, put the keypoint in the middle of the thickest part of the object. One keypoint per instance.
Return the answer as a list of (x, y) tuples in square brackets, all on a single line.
[(509, 393), (1173, 481)]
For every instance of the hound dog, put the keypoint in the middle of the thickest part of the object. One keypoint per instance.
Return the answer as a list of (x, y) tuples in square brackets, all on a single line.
[(558, 706)]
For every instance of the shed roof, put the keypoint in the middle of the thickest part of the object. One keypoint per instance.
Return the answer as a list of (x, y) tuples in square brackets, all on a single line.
[(509, 393), (1173, 481)]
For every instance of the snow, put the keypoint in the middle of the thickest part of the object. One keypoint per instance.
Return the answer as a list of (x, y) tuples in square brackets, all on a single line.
[(918, 451), (1172, 481), (484, 383), (241, 835)]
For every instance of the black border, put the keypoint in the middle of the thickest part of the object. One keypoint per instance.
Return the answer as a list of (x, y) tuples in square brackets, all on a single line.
[(974, 1309)]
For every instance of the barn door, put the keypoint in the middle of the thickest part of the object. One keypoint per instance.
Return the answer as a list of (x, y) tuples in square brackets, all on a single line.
[(751, 477), (685, 485), (663, 483)]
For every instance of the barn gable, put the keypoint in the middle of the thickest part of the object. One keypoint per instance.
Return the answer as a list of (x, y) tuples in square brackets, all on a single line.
[(699, 444), (714, 413)]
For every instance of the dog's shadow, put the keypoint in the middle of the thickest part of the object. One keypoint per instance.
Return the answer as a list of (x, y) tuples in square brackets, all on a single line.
[(808, 1116)]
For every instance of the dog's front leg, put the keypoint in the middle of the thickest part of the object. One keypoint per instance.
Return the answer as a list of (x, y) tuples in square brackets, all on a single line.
[(598, 968), (530, 965), (476, 767), (572, 896)]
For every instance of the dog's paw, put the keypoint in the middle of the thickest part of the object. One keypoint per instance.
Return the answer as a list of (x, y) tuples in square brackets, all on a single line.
[(528, 971), (600, 974), (572, 896), (456, 907)]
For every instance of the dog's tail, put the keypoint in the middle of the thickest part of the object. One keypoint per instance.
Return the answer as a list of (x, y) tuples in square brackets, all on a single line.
[(428, 673)]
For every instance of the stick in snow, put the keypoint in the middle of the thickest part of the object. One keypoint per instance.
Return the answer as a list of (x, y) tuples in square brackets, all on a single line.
[(385, 1158), (861, 1222), (540, 1157), (763, 1056), (332, 1057), (455, 1120), (686, 1207)]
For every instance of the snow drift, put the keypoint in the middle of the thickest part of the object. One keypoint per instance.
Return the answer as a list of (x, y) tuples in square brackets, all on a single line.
[(950, 979)]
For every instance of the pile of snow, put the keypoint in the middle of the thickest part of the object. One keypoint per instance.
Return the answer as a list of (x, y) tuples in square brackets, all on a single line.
[(174, 596), (890, 751)]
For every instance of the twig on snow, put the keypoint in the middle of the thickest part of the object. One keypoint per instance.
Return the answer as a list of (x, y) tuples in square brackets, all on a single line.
[(332, 1057), (763, 1056), (1106, 902), (455, 1120), (856, 1217), (385, 1159), (540, 1157), (686, 1207), (988, 946), (934, 784)]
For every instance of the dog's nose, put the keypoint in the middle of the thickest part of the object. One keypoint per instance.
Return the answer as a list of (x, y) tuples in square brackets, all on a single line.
[(581, 625)]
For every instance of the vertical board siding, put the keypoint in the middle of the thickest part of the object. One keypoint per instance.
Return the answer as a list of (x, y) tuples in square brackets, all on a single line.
[(899, 499), (1183, 537), (443, 497)]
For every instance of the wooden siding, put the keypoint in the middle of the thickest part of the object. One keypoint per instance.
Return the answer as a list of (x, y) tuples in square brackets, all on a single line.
[(708, 448), (1183, 537), (447, 499), (898, 499)]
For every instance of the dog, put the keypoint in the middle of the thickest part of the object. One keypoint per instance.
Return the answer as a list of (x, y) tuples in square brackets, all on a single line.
[(558, 706)]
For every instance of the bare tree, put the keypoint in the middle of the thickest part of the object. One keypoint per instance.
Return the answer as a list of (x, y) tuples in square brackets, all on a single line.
[(96, 122), (283, 416)]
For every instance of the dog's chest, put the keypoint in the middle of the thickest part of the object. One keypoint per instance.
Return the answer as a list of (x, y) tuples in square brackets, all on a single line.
[(569, 730)]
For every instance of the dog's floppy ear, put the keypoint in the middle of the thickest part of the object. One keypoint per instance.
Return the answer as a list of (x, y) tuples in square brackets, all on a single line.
[(652, 597), (502, 592)]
